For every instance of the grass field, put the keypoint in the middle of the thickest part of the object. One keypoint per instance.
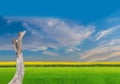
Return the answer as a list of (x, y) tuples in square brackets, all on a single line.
[(64, 75)]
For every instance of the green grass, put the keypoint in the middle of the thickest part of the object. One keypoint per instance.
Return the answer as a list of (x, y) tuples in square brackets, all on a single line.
[(64, 75)]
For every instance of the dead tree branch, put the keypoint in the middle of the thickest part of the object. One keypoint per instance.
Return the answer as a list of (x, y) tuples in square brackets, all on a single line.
[(17, 44)]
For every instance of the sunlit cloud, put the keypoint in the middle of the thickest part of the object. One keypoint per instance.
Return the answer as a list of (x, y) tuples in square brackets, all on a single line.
[(103, 52), (72, 49), (63, 38), (50, 53), (47, 32), (106, 32)]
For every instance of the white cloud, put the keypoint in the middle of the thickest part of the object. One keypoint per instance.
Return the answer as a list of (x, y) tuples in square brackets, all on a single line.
[(103, 52), (51, 32), (106, 32), (6, 47), (105, 57), (113, 19), (50, 53), (72, 49), (41, 48)]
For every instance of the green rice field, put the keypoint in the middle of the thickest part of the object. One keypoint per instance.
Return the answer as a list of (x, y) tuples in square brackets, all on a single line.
[(64, 75)]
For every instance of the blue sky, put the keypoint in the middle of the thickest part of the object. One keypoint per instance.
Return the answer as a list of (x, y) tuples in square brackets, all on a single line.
[(71, 30)]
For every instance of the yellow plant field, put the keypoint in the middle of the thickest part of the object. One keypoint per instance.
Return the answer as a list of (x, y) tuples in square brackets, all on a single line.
[(62, 63)]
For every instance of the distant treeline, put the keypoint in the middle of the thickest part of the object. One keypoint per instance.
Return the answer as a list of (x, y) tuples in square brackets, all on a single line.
[(66, 65)]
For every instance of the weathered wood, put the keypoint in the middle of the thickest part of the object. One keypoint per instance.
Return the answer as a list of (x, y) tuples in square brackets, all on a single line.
[(19, 75)]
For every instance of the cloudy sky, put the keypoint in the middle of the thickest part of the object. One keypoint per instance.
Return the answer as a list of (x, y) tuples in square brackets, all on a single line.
[(73, 30)]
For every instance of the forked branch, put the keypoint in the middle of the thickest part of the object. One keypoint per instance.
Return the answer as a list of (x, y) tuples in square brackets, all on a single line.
[(17, 44)]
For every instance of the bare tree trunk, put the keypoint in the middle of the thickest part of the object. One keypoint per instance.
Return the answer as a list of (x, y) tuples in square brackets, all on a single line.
[(18, 77)]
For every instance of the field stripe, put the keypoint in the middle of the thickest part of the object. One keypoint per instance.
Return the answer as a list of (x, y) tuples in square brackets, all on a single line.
[(62, 63)]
